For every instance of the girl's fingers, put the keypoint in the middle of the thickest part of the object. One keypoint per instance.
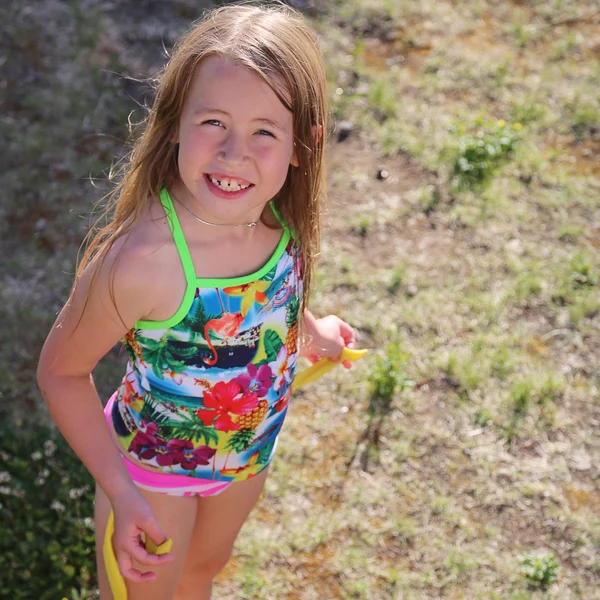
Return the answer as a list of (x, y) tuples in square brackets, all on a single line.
[(151, 528), (129, 572), (139, 553), (347, 333)]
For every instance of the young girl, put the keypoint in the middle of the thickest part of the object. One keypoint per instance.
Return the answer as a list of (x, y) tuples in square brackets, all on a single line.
[(204, 271)]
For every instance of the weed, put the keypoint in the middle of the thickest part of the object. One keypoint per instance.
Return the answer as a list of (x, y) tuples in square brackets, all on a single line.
[(527, 112), (584, 306), (388, 374), (527, 286), (582, 274), (523, 33), (501, 365), (465, 373), (477, 156), (569, 232), (482, 417), (364, 223), (584, 117), (520, 398), (550, 390), (540, 568), (396, 278), (429, 198), (405, 530), (382, 100)]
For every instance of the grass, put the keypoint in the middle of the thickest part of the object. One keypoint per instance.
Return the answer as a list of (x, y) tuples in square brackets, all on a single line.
[(444, 463)]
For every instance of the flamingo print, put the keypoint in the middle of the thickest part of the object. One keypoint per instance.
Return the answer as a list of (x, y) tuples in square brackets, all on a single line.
[(225, 326)]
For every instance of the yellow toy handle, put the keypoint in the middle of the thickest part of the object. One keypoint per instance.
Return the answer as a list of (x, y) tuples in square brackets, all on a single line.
[(116, 580), (324, 365)]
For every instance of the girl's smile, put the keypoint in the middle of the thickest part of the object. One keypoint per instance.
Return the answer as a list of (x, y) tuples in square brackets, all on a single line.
[(226, 186)]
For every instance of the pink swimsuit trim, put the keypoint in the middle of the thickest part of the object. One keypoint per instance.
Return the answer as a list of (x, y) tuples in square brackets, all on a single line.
[(167, 483)]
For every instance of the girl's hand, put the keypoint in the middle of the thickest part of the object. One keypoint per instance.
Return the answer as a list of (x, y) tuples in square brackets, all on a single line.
[(326, 337), (134, 517)]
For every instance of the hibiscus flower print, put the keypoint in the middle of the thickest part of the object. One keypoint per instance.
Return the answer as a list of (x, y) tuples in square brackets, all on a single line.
[(148, 446), (256, 381), (224, 400), (184, 454)]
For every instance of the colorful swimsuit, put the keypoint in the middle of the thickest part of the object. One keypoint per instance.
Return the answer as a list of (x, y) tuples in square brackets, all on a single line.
[(205, 393)]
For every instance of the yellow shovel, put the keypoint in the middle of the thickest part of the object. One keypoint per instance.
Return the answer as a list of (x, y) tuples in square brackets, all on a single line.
[(116, 580)]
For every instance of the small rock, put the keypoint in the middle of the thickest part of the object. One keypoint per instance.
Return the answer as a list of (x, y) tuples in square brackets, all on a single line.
[(382, 174), (344, 129), (411, 290)]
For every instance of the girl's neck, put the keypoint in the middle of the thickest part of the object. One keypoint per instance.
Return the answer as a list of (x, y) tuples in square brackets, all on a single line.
[(212, 229)]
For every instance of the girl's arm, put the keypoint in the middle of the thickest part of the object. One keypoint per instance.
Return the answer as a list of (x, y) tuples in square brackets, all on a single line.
[(88, 326), (327, 336)]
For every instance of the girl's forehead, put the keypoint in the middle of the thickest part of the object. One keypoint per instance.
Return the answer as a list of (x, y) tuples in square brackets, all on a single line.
[(220, 83)]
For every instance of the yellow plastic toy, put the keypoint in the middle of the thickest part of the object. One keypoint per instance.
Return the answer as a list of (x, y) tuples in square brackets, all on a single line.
[(116, 580), (325, 365)]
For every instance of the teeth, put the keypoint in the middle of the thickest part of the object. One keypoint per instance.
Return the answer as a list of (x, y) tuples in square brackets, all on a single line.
[(228, 185)]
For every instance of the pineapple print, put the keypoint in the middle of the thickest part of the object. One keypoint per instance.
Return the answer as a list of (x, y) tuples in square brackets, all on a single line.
[(291, 320), (253, 419)]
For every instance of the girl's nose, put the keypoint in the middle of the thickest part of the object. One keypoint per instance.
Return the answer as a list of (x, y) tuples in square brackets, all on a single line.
[(233, 149)]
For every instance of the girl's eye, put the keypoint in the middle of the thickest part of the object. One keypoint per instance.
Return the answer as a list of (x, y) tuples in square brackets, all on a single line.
[(265, 132), (213, 122)]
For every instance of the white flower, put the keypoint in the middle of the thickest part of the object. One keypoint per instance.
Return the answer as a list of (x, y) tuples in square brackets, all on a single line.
[(49, 447), (4, 477), (36, 455), (57, 506), (78, 492)]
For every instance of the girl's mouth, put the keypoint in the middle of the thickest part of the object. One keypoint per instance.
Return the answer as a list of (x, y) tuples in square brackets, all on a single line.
[(231, 187)]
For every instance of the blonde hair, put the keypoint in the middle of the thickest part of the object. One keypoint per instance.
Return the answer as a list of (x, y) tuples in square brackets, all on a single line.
[(276, 44)]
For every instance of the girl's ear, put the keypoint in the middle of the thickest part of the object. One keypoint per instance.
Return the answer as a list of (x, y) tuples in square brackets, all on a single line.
[(317, 131), (294, 160)]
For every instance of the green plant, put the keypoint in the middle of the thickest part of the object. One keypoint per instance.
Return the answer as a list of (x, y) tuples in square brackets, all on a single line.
[(477, 156), (540, 568), (382, 100), (46, 499), (396, 278), (528, 111), (388, 373), (482, 417), (569, 232), (584, 116), (581, 274)]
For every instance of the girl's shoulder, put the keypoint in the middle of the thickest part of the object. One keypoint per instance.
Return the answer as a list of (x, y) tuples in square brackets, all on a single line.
[(145, 250)]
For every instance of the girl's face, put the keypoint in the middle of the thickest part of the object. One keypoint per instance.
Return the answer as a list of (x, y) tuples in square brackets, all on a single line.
[(235, 143)]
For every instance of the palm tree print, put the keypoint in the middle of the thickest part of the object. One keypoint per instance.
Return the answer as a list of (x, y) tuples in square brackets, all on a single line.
[(164, 356), (189, 428)]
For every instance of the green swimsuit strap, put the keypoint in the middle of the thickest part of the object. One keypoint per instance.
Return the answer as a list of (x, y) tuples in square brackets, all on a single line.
[(178, 237), (282, 222), (186, 262)]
